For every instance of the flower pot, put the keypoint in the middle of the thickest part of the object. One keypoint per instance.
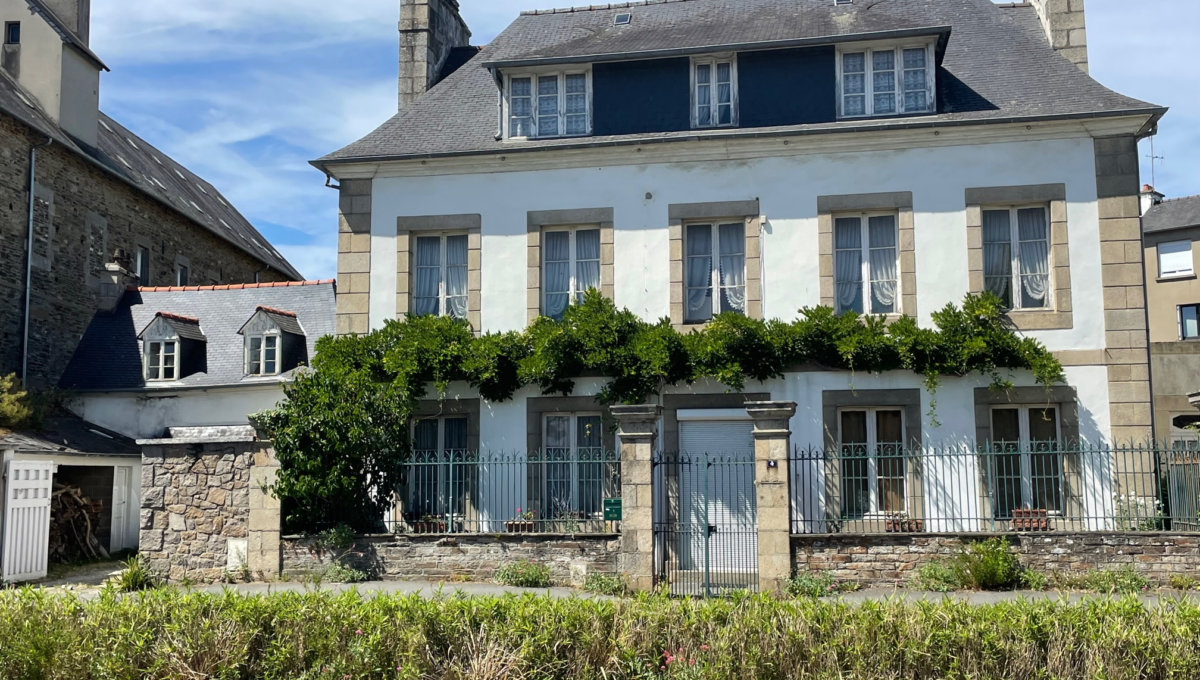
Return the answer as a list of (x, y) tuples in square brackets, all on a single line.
[(1031, 519), (899, 525), (429, 526), (519, 526)]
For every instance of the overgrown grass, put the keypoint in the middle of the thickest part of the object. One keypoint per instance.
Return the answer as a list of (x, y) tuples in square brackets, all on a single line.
[(524, 575), (1122, 580), (605, 584), (981, 565), (172, 634), (135, 577), (818, 584)]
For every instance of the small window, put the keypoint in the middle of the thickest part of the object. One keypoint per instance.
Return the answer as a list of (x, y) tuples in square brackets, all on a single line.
[(570, 267), (161, 359), (622, 19), (12, 33), (1189, 322), (440, 276), (1016, 256), (549, 105), (714, 93), (715, 270), (143, 266), (866, 263), (886, 82), (181, 275), (1175, 259), (262, 354)]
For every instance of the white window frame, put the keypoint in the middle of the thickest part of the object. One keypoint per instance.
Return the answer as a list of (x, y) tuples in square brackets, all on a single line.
[(1176, 273), (864, 225), (262, 353), (573, 261), (876, 506), (714, 275), (1014, 253), (572, 456), (442, 296), (1179, 316), (712, 61), (867, 49), (533, 75), (162, 345), (182, 272), (142, 261), (1026, 446)]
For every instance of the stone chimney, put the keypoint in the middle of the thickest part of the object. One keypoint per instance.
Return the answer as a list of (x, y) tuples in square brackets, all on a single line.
[(1150, 197), (429, 30), (1065, 28), (114, 281), (76, 14)]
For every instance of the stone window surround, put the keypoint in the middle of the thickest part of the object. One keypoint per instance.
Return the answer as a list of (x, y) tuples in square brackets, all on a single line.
[(1055, 197), (433, 408), (536, 408), (679, 214), (427, 225), (828, 208), (909, 401), (538, 221)]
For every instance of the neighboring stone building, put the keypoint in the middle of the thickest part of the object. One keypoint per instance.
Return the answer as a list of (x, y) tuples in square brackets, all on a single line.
[(104, 203), (1171, 234)]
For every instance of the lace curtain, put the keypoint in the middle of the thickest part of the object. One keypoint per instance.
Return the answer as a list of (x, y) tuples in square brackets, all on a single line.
[(1034, 256), (732, 241), (557, 248), (699, 272), (587, 261), (847, 240), (882, 235), (427, 275), (456, 276), (997, 254)]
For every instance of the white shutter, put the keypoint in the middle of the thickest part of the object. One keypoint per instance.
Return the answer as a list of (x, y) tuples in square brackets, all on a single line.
[(716, 437), (1175, 258), (730, 493), (25, 546)]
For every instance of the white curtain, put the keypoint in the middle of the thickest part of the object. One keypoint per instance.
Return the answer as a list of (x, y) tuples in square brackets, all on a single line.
[(456, 276), (847, 240), (732, 241), (699, 272), (587, 261), (455, 436), (1034, 256), (882, 235), (557, 247), (427, 275), (997, 254)]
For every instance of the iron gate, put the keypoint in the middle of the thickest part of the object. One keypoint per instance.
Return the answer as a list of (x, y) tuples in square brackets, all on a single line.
[(705, 523)]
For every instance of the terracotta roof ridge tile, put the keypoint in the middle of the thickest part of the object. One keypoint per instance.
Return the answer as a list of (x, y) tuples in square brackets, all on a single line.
[(228, 286), (598, 8), (178, 317), (272, 310)]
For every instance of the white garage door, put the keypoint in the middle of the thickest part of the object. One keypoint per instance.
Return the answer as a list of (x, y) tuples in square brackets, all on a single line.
[(717, 496)]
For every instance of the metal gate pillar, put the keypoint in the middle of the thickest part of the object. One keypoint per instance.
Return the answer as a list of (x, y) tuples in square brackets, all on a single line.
[(638, 429), (772, 441)]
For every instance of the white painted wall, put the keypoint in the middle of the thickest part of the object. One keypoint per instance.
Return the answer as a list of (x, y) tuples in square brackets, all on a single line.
[(80, 102), (147, 415), (41, 55)]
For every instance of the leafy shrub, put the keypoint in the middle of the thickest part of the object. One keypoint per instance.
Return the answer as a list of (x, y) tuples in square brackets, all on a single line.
[(605, 584), (1183, 582), (1122, 580), (817, 584), (15, 411), (988, 565), (524, 575), (937, 576), (1034, 580), (135, 577), (340, 573)]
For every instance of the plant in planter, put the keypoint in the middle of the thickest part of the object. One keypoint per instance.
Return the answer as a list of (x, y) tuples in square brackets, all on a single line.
[(1031, 519), (521, 523), (428, 524), (899, 522)]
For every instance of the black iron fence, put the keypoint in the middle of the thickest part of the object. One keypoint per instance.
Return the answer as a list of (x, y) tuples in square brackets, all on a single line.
[(548, 491), (888, 488)]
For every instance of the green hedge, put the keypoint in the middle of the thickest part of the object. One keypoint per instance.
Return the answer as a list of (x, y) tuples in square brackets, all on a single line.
[(167, 634)]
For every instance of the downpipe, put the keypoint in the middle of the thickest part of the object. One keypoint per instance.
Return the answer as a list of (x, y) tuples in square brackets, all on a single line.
[(29, 258)]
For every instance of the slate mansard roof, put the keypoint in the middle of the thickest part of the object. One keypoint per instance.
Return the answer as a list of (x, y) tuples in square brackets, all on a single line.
[(1177, 213), (134, 161), (109, 357), (997, 66)]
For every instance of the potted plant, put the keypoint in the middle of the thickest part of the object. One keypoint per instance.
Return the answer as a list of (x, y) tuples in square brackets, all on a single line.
[(521, 523), (428, 524), (1031, 519), (899, 522)]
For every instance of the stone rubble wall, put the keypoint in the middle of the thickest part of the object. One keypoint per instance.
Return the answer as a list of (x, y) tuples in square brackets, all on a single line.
[(890, 558), (473, 557)]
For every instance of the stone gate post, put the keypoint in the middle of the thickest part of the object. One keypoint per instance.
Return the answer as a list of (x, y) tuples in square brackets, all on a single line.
[(772, 442), (638, 430)]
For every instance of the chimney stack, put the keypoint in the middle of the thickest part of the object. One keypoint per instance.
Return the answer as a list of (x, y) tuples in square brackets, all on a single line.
[(76, 14), (114, 281), (429, 30), (1150, 198), (1065, 28)]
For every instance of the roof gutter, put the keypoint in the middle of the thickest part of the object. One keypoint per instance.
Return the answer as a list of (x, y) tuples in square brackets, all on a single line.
[(29, 257)]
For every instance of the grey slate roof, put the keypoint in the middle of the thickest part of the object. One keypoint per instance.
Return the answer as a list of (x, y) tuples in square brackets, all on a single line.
[(287, 322), (184, 327), (66, 433), (134, 161), (1173, 214), (997, 66), (109, 357)]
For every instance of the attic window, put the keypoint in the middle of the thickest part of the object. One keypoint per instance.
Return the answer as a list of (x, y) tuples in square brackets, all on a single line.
[(12, 33), (262, 354), (274, 342), (173, 347), (622, 19), (843, 2), (885, 80), (553, 104), (160, 359)]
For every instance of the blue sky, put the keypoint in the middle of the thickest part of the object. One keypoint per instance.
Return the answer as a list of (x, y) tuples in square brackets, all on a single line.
[(246, 93)]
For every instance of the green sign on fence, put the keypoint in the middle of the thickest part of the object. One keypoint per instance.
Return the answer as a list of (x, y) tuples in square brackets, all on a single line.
[(612, 509)]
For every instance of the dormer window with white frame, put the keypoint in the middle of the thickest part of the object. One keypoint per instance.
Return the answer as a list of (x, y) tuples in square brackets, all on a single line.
[(262, 354), (545, 104), (885, 80), (173, 347), (714, 92), (273, 342), (161, 360)]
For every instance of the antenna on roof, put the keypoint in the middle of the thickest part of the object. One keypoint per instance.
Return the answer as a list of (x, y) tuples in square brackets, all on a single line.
[(1153, 161)]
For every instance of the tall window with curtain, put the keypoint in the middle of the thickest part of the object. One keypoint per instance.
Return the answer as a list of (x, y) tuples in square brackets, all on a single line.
[(872, 462), (865, 264), (714, 270), (436, 487), (1026, 465), (714, 91), (574, 468), (570, 267), (440, 276), (1016, 256)]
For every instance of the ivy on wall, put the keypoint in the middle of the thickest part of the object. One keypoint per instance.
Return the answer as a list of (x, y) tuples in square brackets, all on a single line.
[(343, 428)]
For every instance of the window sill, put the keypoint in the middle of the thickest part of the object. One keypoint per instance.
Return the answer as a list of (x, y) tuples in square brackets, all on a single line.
[(1040, 319), (1176, 277), (543, 139)]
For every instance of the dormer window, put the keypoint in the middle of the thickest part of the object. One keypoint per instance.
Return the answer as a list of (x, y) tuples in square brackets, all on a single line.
[(12, 33), (549, 104), (274, 342), (714, 92), (173, 347), (886, 80)]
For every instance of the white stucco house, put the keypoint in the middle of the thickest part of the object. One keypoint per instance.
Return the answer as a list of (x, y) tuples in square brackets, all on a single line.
[(760, 156)]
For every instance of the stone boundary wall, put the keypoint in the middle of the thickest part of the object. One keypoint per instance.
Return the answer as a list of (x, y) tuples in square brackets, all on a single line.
[(443, 557), (888, 558)]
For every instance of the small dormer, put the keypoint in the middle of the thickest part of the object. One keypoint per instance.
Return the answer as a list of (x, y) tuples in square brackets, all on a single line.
[(274, 342), (173, 347)]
